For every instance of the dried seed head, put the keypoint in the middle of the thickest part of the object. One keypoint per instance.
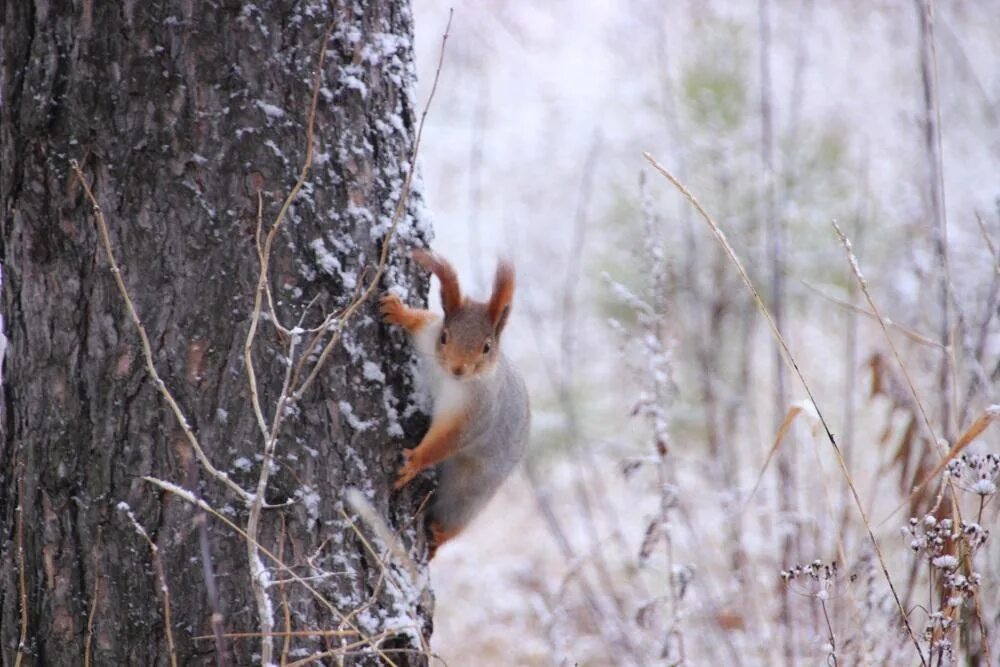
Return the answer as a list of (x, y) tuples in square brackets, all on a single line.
[(815, 578), (976, 473)]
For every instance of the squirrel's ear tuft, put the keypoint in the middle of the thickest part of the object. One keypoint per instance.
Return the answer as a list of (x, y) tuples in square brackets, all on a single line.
[(451, 294), (503, 293)]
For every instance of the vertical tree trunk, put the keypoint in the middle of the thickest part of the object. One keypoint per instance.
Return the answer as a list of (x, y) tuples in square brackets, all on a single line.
[(179, 114), (775, 261), (937, 212)]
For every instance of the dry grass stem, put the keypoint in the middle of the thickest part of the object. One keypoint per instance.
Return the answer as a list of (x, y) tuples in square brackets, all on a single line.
[(856, 614), (989, 243), (167, 616), (856, 269), (990, 415), (790, 359), (786, 424), (885, 329), (916, 337)]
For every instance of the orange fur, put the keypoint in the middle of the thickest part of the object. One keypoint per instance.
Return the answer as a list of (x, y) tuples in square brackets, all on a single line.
[(440, 443), (451, 294), (394, 311), (438, 537), (503, 293), (467, 347)]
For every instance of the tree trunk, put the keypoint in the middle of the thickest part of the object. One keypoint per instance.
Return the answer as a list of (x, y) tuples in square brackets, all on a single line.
[(179, 114)]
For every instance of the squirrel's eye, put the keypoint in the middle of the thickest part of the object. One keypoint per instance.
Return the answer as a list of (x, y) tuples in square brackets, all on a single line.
[(444, 337), (487, 346)]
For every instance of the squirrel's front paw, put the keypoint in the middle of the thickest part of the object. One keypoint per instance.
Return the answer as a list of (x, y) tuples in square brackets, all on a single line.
[(410, 469), (392, 309)]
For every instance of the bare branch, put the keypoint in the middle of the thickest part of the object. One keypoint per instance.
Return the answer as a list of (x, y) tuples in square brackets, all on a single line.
[(190, 498), (147, 349), (341, 322), (161, 575)]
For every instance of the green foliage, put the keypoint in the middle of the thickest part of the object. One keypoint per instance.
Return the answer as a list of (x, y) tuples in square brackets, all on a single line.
[(714, 83), (623, 220)]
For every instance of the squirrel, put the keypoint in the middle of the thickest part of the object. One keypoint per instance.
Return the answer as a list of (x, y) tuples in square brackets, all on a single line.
[(481, 414)]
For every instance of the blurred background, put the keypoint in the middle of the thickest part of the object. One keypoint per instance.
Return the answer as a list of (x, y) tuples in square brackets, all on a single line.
[(642, 529)]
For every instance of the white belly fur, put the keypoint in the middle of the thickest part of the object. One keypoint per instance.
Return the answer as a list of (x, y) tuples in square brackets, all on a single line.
[(448, 394), (493, 441)]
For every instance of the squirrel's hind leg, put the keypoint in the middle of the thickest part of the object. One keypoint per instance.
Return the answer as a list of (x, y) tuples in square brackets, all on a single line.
[(439, 535)]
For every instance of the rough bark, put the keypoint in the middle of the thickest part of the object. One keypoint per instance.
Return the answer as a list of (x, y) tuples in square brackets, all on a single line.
[(179, 112)]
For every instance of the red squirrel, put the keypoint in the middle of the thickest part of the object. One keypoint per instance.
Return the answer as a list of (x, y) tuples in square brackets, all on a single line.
[(481, 415)]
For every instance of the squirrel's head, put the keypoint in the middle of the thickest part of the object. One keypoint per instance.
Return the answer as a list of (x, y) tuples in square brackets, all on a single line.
[(469, 343)]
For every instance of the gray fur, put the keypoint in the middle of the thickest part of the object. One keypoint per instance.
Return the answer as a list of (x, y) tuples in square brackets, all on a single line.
[(490, 446)]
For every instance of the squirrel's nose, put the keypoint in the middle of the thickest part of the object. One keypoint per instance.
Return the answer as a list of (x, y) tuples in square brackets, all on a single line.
[(459, 371)]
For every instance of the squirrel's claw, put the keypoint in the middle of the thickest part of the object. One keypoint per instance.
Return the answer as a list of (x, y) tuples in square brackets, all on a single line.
[(392, 308), (407, 471), (394, 311)]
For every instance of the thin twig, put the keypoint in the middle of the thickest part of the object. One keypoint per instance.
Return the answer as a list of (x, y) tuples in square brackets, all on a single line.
[(217, 619), (285, 633), (283, 594), (939, 211), (829, 628), (89, 639), (915, 336), (366, 511), (349, 312), (989, 243), (258, 573), (346, 649), (265, 252), (384, 574), (369, 513), (885, 329), (147, 349), (786, 424), (964, 440), (161, 575), (340, 651), (189, 497), (855, 268), (21, 577), (790, 359)]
